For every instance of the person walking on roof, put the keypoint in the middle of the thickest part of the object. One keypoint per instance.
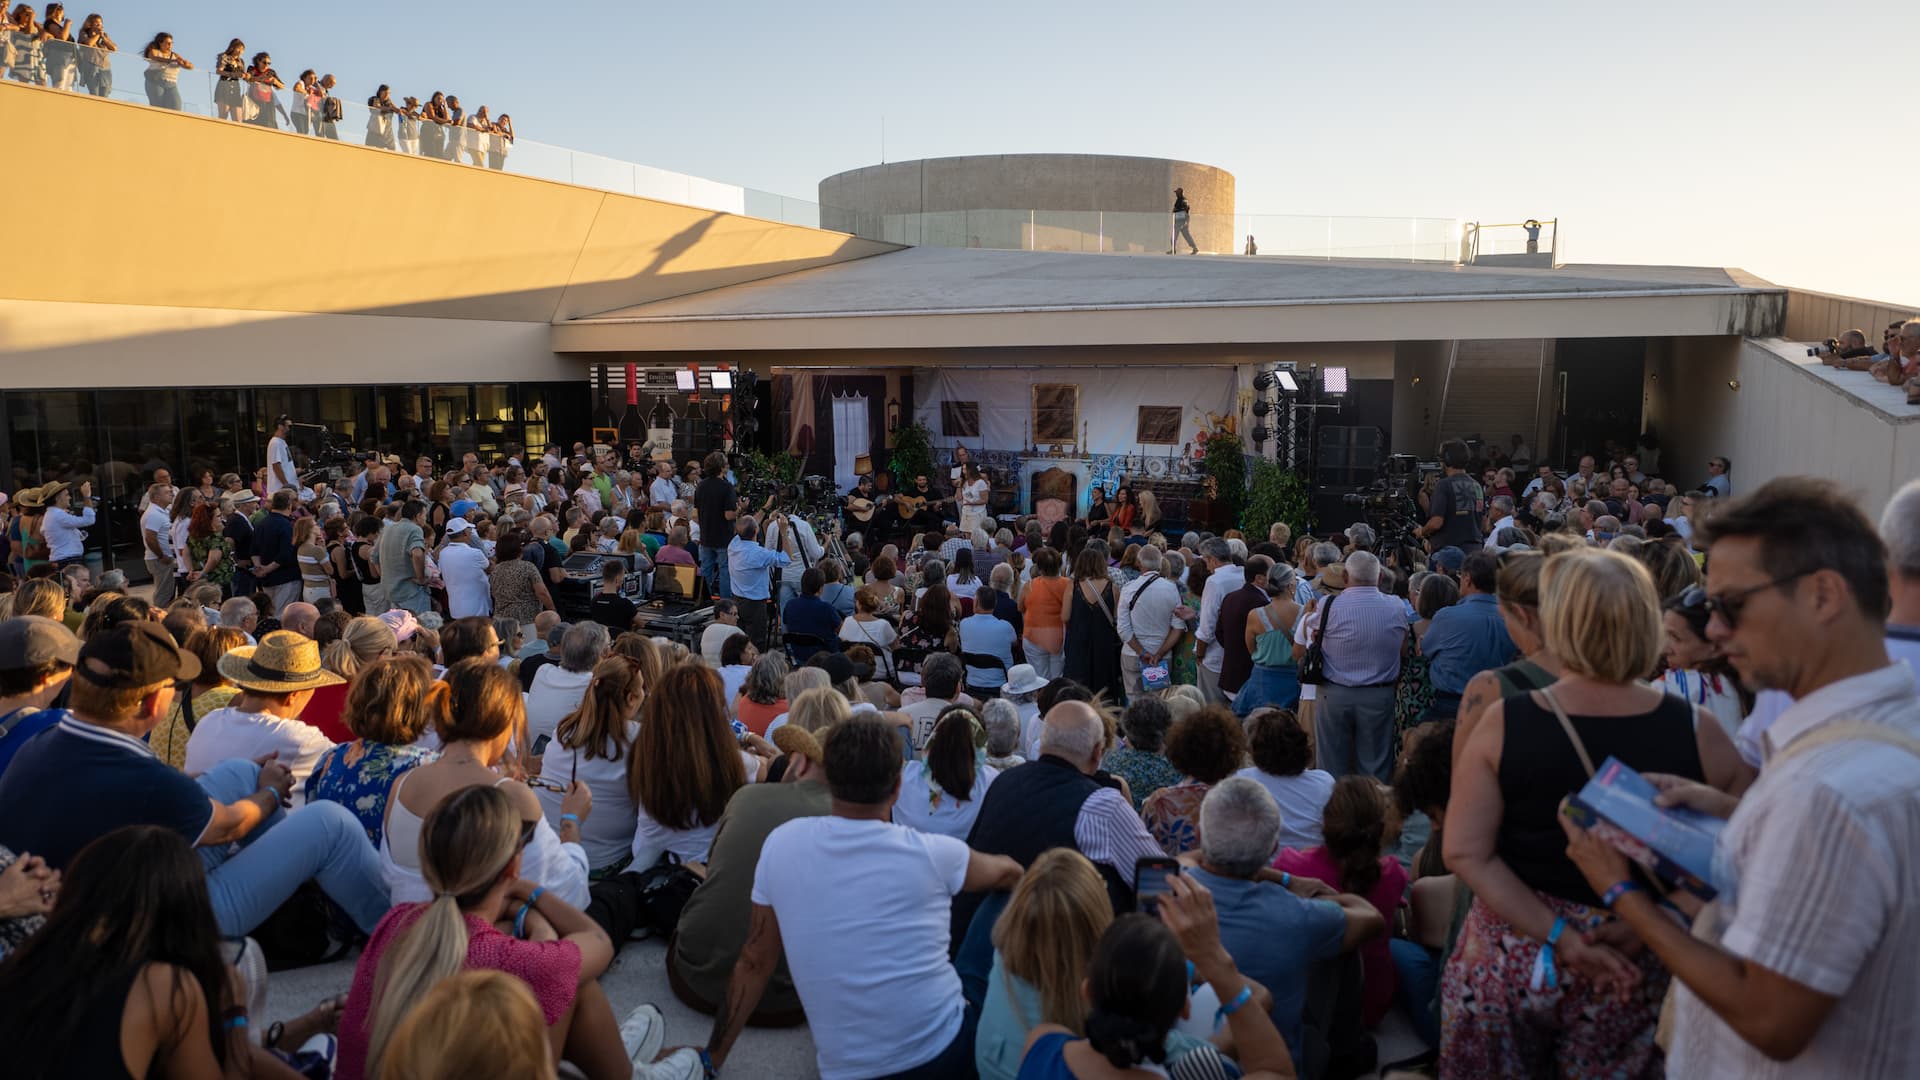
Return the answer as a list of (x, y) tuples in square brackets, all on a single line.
[(1180, 230)]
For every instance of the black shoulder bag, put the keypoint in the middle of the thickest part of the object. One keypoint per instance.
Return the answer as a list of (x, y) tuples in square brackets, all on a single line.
[(1312, 667)]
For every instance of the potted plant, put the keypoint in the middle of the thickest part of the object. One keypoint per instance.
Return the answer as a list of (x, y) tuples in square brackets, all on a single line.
[(1225, 465), (1276, 493), (912, 451)]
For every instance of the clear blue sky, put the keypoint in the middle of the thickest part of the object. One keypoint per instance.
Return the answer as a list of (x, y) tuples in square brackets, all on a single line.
[(1682, 131)]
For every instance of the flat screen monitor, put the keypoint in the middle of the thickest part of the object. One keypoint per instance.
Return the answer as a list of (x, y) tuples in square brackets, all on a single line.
[(674, 581), (722, 380), (684, 381)]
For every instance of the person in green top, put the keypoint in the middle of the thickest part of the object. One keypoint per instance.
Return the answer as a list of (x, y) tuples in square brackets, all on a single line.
[(654, 532), (209, 550)]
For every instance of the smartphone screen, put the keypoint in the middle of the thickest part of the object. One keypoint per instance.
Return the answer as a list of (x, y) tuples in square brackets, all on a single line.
[(1150, 877), (540, 745)]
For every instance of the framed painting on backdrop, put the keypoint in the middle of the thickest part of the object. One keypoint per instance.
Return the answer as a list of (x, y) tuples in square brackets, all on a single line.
[(960, 419), (1056, 414), (1159, 425)]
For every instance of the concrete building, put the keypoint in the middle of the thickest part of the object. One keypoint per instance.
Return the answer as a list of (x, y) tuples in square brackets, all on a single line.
[(1032, 202)]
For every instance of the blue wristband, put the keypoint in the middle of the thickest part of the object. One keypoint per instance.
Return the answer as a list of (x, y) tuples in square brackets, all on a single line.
[(1245, 995), (564, 818), (236, 1022), (1620, 889), (1286, 880), (520, 917), (1544, 975), (707, 1065)]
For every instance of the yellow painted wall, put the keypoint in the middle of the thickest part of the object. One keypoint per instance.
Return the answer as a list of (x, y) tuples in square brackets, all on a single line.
[(173, 210)]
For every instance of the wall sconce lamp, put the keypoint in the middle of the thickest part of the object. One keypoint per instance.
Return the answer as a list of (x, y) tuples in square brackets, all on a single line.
[(1733, 384), (893, 416)]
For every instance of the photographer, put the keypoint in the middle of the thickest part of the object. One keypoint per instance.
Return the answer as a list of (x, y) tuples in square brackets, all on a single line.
[(1454, 505), (1848, 345)]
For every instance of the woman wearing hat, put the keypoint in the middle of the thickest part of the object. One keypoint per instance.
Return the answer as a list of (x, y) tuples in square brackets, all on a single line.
[(276, 679), (65, 528), (28, 531)]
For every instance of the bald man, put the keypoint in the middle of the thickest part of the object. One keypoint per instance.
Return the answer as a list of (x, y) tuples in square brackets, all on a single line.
[(299, 617)]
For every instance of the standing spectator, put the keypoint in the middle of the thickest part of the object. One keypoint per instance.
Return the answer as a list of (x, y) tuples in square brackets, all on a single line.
[(1466, 638), (382, 115), (1717, 482), (1453, 509), (463, 566), (1149, 630), (1090, 619), (1364, 629), (408, 117), (1503, 837), (1180, 229), (65, 528), (1282, 756), (499, 142), (156, 536), (901, 1006), (310, 554), (1517, 584), (1236, 610), (262, 81), (514, 582), (306, 120), (163, 72), (96, 60), (332, 109), (1274, 680), (1042, 607), (1224, 577), (434, 118), (402, 556), (748, 576), (230, 93), (1801, 968), (715, 504), (276, 566), (1207, 747)]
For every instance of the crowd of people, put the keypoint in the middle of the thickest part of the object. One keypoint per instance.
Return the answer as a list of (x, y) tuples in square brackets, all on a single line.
[(349, 722), (47, 49)]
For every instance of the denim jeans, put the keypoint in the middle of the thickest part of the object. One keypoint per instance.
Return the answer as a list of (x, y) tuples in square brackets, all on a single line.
[(1353, 728), (1418, 969), (322, 840), (1047, 665), (713, 567)]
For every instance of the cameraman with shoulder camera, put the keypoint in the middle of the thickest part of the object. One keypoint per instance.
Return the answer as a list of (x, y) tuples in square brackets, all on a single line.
[(1454, 504)]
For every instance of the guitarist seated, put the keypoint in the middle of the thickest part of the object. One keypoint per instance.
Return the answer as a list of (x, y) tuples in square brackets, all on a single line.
[(919, 507), (864, 508)]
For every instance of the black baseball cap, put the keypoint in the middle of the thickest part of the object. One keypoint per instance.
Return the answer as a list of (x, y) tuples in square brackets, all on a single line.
[(135, 654), (31, 641)]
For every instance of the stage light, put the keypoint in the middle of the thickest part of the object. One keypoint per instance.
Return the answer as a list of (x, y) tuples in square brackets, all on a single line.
[(1333, 380), (1261, 434), (1287, 383), (1263, 382), (1261, 407)]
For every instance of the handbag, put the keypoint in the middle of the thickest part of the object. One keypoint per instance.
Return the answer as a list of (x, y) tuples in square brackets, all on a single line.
[(1152, 676), (1312, 669)]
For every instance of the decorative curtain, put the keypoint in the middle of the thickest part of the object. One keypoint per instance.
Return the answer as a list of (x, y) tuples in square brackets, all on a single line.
[(850, 437)]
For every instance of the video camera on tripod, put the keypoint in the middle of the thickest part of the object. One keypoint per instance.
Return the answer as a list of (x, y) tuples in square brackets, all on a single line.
[(1390, 507)]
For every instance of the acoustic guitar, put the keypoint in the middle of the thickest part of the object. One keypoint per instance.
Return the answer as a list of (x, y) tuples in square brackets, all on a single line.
[(861, 509), (911, 505)]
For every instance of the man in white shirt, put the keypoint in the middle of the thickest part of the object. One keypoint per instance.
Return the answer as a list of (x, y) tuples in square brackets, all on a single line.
[(1501, 511), (725, 624), (853, 875), (664, 490), (280, 471), (1539, 481), (1149, 630), (156, 535), (276, 678), (463, 567), (794, 538), (1717, 481), (1803, 964), (940, 677), (1225, 577)]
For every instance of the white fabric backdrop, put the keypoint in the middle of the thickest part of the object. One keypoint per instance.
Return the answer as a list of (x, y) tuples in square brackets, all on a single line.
[(851, 438), (1110, 400)]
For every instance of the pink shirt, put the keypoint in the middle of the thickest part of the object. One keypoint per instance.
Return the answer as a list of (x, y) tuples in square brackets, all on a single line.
[(1376, 958), (551, 969)]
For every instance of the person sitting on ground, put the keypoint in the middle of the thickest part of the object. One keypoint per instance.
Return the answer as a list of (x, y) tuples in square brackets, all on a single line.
[(1136, 990), (591, 746), (129, 968), (1207, 747), (1282, 754), (809, 616), (1002, 721), (942, 793), (725, 624), (470, 637), (762, 696), (362, 641), (887, 887), (713, 925), (684, 767), (472, 847), (208, 692), (556, 689), (475, 1023), (1140, 762), (387, 710), (276, 679), (477, 713), (1287, 931), (36, 660), (91, 774)]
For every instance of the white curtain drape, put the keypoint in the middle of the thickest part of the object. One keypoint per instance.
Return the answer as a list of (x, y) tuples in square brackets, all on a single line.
[(850, 437)]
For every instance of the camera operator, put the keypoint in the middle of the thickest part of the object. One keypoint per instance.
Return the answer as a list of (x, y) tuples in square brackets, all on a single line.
[(1454, 504), (1847, 345)]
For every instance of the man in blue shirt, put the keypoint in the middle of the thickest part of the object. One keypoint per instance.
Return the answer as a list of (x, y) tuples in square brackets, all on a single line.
[(808, 614), (36, 660), (1295, 936), (750, 575), (1468, 638), (987, 634)]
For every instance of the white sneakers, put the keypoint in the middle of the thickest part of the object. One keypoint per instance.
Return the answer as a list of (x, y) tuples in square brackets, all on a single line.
[(643, 1032), (682, 1064)]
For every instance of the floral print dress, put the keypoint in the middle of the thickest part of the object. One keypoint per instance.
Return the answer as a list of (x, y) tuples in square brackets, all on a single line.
[(1172, 815), (359, 774)]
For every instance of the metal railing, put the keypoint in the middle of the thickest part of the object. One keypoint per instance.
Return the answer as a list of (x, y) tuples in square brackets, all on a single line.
[(1530, 237)]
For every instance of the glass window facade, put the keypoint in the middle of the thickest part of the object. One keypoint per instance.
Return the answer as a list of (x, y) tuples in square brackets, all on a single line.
[(117, 438)]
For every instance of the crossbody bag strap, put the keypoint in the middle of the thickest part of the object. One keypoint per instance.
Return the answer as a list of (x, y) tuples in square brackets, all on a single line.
[(1148, 579), (1324, 612), (1566, 725), (1848, 732)]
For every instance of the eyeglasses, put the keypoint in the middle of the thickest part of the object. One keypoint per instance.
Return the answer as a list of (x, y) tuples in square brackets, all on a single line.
[(1729, 605)]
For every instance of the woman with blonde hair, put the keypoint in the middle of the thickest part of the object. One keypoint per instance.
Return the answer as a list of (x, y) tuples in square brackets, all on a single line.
[(363, 641), (1532, 907), (476, 1023), (819, 708), (684, 767), (472, 847), (590, 746), (386, 711), (477, 711)]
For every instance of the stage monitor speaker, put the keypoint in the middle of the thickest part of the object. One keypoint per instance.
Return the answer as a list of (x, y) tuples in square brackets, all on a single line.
[(1349, 456), (1331, 512), (691, 438)]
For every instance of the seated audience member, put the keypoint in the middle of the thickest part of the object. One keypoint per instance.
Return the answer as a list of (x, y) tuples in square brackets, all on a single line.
[(1360, 827), (127, 977), (1206, 748), (1140, 763), (871, 689), (678, 550), (762, 693), (36, 660), (942, 793), (276, 679), (866, 627), (470, 637), (362, 641), (809, 615), (713, 924), (1282, 758), (477, 712), (556, 689), (1281, 930), (940, 680), (834, 589), (684, 767), (472, 847), (1023, 692), (901, 1008), (817, 706), (985, 634), (591, 747), (725, 624), (91, 774), (208, 692), (610, 607), (1001, 718), (387, 710), (1041, 946), (1136, 989), (1422, 785), (550, 652), (738, 654), (1056, 800), (475, 1023)]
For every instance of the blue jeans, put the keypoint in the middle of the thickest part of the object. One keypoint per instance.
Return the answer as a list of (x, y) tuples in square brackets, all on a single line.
[(321, 840), (713, 567), (1419, 972), (1353, 728)]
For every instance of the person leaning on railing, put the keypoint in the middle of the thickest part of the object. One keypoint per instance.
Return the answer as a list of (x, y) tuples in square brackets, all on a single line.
[(163, 72), (96, 68)]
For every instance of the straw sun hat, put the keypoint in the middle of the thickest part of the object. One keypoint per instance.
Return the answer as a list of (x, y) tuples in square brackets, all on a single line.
[(283, 663)]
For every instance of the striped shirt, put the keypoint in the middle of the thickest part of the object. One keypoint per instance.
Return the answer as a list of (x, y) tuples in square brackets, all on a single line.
[(1364, 635), (1822, 853), (1109, 832)]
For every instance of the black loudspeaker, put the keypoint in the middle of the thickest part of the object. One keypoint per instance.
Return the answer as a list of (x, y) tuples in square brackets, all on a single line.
[(1349, 456), (690, 438)]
